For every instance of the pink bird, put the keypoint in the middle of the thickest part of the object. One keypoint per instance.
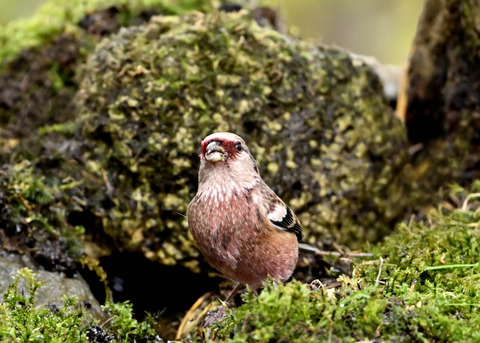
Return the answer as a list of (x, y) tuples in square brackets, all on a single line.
[(239, 224)]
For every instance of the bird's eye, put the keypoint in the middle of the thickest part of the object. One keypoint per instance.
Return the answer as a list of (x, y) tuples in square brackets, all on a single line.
[(238, 146)]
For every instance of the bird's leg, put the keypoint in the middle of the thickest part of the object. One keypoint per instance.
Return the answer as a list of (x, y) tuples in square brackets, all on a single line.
[(234, 291)]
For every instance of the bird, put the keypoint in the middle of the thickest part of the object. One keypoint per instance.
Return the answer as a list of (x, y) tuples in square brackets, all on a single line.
[(241, 227)]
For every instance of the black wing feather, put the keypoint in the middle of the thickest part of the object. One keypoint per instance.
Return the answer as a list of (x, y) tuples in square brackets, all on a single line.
[(289, 223)]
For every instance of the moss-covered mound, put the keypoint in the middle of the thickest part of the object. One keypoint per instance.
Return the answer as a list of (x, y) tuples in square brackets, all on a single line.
[(33, 218), (424, 286), (323, 135), (39, 57)]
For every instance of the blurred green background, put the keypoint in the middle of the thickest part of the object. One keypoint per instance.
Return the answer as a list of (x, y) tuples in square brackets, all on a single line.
[(380, 28), (13, 9)]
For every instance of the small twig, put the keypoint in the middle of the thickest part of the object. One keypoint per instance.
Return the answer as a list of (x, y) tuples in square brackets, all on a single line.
[(338, 248), (107, 182), (412, 150), (377, 280), (410, 221), (25, 202), (80, 201), (181, 214), (313, 250), (412, 286), (107, 321), (333, 285), (467, 199), (190, 313)]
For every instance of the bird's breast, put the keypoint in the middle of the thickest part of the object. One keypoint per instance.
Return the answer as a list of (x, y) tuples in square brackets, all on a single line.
[(222, 221), (236, 237)]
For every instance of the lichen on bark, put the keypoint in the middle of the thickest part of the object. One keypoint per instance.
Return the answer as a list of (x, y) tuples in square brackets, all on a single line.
[(441, 101)]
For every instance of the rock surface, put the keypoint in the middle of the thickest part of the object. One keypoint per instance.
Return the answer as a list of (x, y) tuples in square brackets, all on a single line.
[(56, 285)]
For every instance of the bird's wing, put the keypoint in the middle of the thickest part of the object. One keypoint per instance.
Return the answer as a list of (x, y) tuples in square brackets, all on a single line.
[(282, 217)]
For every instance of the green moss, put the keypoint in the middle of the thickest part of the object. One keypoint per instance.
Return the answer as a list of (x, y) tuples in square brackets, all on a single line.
[(424, 286), (59, 16), (22, 320), (125, 328), (278, 313), (34, 214)]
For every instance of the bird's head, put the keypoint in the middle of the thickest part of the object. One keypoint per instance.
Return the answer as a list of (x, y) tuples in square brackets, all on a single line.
[(227, 151)]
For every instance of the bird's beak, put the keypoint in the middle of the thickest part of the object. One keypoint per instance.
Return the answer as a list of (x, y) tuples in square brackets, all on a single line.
[(215, 152)]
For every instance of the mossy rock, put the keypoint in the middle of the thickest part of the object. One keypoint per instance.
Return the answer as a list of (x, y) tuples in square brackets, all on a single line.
[(323, 134), (39, 60), (39, 57), (33, 218), (55, 285)]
